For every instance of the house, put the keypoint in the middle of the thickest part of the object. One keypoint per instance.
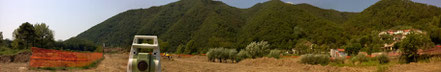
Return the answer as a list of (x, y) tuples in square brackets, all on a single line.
[(397, 35), (337, 53)]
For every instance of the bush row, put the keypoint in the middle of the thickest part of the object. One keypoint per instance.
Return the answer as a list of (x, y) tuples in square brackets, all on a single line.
[(323, 59), (315, 59), (253, 50), (382, 59), (221, 54)]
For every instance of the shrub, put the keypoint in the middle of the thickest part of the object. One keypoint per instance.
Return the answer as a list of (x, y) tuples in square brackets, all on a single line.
[(257, 49), (434, 59), (382, 68), (221, 54), (424, 58), (359, 58), (214, 54), (315, 59), (274, 53), (232, 53), (242, 55), (210, 55), (339, 60), (383, 59)]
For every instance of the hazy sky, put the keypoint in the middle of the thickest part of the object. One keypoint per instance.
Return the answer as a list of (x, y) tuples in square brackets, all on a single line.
[(68, 18)]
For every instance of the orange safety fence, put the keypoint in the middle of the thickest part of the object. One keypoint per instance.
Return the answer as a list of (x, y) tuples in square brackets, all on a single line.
[(58, 58)]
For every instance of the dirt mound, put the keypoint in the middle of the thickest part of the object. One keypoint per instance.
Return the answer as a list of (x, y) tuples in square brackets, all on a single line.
[(6, 59), (20, 57)]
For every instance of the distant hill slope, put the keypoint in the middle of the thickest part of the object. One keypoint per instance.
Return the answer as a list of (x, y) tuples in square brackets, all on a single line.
[(214, 24), (387, 14), (333, 15)]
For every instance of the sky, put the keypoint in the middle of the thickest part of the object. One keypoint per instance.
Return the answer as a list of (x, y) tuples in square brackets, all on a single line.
[(68, 18)]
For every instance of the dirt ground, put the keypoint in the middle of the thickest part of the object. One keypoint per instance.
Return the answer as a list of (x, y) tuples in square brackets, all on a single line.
[(118, 62), (201, 64), (416, 67)]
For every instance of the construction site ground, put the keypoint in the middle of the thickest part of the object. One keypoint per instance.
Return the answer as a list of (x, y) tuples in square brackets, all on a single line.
[(117, 62)]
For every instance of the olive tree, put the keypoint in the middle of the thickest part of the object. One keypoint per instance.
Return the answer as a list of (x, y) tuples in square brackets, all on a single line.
[(258, 49)]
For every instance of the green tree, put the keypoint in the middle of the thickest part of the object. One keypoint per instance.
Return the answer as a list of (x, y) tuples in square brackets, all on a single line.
[(387, 38), (275, 53), (353, 49), (1, 39), (45, 36), (190, 48), (302, 47), (371, 43), (410, 45), (165, 47), (435, 35), (242, 55), (25, 36), (78, 44), (179, 49), (436, 21)]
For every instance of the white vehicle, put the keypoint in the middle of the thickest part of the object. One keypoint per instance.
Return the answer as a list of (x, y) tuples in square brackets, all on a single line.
[(144, 61)]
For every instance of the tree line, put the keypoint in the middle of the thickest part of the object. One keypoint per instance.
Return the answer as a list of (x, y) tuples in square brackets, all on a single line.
[(39, 35)]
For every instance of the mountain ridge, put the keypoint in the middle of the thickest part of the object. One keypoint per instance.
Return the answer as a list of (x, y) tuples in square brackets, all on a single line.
[(212, 24)]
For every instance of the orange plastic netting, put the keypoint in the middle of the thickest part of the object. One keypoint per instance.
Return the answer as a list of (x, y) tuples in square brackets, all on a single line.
[(58, 58)]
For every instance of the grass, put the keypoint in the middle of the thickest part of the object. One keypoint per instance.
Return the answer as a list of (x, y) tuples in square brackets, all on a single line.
[(94, 64), (373, 62), (430, 59), (435, 59), (370, 62), (10, 52), (382, 68)]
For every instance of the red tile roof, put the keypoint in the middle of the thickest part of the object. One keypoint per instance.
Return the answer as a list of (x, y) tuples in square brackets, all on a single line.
[(341, 49)]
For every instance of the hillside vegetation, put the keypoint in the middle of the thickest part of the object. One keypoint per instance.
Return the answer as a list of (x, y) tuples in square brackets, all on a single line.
[(199, 25)]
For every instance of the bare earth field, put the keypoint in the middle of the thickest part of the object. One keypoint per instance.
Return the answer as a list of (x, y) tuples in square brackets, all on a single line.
[(118, 62)]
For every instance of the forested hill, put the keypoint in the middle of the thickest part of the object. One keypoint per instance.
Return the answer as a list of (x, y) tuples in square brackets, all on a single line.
[(202, 24), (396, 14)]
